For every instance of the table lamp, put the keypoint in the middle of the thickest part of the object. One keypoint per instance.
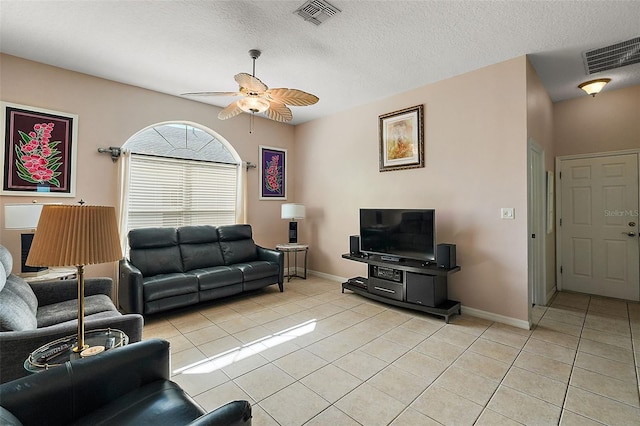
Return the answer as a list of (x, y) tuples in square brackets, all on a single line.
[(70, 235), (24, 216), (293, 211)]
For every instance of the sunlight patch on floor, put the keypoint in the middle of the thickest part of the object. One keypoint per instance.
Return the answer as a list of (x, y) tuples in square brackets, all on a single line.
[(239, 353)]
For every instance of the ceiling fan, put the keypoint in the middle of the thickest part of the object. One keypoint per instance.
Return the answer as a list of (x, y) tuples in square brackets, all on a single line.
[(258, 98)]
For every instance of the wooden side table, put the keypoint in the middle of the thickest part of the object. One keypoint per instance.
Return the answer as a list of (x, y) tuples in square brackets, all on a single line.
[(294, 248)]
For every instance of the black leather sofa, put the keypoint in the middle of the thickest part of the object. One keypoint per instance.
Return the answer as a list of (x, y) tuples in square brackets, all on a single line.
[(124, 386), (170, 268)]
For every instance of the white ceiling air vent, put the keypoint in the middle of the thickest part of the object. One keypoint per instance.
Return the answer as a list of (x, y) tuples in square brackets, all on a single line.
[(317, 11), (611, 57)]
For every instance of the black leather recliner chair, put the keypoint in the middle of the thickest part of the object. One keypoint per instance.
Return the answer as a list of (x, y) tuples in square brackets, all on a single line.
[(124, 386)]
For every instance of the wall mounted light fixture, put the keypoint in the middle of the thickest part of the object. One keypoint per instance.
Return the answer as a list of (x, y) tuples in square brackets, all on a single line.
[(593, 87)]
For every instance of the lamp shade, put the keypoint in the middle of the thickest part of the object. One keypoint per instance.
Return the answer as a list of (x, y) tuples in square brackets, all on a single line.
[(22, 216), (292, 211), (70, 235)]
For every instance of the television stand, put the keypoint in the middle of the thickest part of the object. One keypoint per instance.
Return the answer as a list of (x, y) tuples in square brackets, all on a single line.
[(405, 283)]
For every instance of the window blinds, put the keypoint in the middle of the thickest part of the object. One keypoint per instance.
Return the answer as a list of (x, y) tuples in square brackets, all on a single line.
[(176, 192)]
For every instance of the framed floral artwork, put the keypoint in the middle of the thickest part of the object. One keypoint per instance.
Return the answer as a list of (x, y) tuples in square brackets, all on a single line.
[(273, 173), (39, 152), (402, 139)]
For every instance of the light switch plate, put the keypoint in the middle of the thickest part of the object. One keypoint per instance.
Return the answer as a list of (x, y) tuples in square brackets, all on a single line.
[(507, 213)]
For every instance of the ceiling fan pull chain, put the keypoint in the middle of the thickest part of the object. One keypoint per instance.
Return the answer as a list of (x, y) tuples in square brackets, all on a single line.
[(251, 123)]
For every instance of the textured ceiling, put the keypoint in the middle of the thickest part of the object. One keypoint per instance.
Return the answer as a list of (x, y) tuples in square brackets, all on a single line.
[(371, 50)]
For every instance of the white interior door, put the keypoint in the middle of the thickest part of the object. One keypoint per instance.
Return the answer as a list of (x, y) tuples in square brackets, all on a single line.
[(599, 226), (535, 224)]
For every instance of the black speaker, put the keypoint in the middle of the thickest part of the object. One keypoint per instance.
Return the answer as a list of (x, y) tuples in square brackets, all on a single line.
[(426, 290), (354, 244), (446, 256)]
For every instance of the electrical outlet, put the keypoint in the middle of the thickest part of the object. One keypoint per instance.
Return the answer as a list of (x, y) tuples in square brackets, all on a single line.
[(507, 213)]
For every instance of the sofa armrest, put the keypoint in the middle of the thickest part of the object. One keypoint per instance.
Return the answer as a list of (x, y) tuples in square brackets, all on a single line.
[(275, 256), (130, 294), (67, 393), (235, 413), (50, 292), (15, 346)]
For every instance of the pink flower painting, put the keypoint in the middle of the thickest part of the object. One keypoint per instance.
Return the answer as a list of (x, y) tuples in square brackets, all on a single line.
[(37, 158), (272, 173)]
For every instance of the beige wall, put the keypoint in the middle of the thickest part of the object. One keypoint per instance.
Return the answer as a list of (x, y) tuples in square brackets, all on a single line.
[(476, 146), (109, 113), (540, 129), (608, 122)]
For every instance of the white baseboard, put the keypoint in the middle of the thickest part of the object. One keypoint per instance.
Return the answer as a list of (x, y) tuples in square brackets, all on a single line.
[(496, 317), (327, 276), (465, 310)]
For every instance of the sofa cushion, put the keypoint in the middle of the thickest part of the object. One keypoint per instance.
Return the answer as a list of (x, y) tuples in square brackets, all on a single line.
[(237, 244), (199, 247), (68, 310), (219, 276), (3, 277), (159, 402), (15, 312), (155, 251), (155, 261), (168, 285), (6, 260), (24, 291), (258, 270), (153, 238)]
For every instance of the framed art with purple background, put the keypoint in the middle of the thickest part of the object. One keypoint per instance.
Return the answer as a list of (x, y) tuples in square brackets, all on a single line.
[(39, 152), (273, 173)]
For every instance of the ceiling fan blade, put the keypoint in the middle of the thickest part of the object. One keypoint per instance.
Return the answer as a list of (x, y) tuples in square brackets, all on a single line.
[(251, 83), (279, 112), (293, 97), (230, 111), (211, 94)]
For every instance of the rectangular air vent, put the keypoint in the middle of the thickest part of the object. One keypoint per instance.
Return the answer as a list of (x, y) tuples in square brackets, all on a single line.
[(611, 57), (317, 11)]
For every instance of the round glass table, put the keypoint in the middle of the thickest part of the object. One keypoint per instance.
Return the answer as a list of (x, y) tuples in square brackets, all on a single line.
[(60, 351)]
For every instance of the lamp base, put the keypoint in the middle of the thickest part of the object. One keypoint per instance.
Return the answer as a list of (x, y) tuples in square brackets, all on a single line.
[(293, 232), (78, 349)]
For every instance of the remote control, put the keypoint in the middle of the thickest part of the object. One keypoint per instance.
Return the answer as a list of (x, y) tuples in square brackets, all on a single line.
[(52, 353)]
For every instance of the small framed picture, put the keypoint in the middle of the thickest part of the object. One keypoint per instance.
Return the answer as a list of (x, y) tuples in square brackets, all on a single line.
[(402, 139), (39, 152), (273, 173)]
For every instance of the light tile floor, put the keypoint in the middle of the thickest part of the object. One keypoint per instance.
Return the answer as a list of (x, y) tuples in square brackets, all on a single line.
[(315, 356)]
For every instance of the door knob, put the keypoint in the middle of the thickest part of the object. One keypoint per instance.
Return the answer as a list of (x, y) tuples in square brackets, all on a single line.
[(631, 234)]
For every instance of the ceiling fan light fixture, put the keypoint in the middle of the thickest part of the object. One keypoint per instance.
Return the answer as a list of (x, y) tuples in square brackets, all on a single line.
[(593, 87), (253, 104)]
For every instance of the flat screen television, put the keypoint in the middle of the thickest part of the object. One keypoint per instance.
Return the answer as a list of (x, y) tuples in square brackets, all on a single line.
[(399, 234)]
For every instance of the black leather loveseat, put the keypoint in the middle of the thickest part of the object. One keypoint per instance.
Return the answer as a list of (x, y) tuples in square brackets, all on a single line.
[(124, 386), (169, 268)]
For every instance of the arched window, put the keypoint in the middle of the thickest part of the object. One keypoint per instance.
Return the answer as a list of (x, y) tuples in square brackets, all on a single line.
[(176, 174)]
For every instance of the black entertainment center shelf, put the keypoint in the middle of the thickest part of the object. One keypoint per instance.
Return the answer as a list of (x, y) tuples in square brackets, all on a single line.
[(408, 284), (405, 264)]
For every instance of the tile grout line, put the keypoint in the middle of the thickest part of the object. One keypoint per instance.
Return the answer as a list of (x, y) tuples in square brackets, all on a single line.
[(575, 358)]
